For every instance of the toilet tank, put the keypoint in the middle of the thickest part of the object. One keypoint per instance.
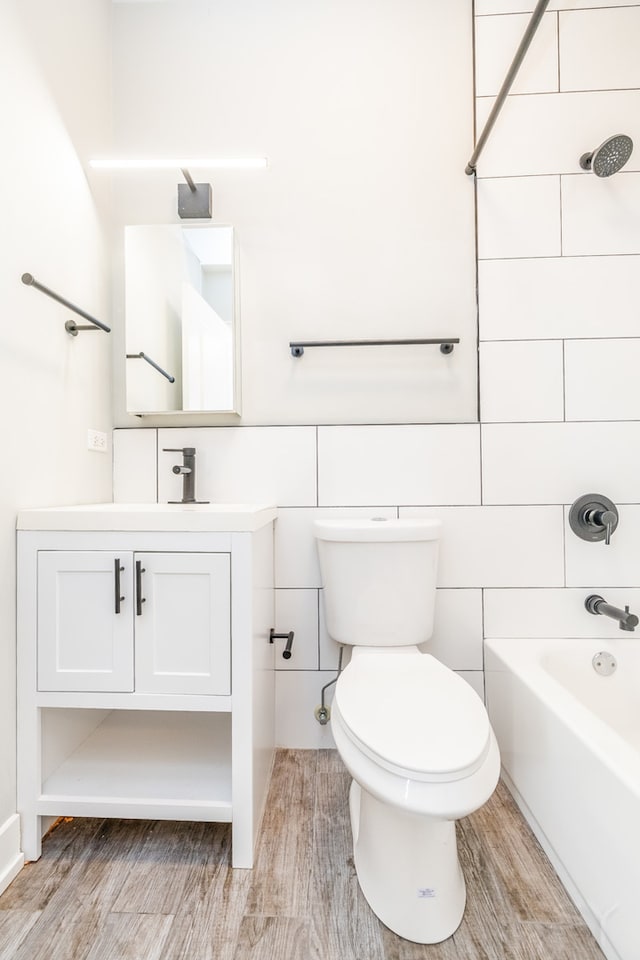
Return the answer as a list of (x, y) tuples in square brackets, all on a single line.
[(379, 579)]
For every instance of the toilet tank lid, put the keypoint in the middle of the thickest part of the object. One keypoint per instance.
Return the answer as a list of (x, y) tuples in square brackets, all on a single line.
[(376, 529)]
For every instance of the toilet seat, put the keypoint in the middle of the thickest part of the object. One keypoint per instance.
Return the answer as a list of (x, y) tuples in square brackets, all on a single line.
[(413, 716)]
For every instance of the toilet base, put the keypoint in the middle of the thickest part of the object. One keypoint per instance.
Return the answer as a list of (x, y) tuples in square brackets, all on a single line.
[(407, 867)]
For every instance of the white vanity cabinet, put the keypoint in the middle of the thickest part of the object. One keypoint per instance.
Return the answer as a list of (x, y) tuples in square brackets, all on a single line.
[(121, 621), (145, 672)]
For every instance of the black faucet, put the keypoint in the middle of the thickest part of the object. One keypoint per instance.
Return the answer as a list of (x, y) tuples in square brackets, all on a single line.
[(188, 470)]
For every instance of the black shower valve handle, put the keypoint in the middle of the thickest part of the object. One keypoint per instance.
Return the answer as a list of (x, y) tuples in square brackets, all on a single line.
[(602, 518), (594, 517)]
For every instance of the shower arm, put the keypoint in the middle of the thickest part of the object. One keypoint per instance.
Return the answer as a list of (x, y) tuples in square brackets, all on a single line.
[(521, 52)]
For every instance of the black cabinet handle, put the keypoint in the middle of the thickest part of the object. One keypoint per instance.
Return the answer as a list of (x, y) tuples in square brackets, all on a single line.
[(117, 570), (139, 598)]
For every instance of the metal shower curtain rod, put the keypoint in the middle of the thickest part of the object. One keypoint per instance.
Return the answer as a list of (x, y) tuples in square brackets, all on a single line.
[(521, 52)]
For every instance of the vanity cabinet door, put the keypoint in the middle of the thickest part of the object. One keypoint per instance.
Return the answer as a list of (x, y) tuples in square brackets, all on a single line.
[(183, 623), (85, 635)]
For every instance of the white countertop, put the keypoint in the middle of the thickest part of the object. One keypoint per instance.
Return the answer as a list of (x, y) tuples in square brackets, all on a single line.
[(190, 517)]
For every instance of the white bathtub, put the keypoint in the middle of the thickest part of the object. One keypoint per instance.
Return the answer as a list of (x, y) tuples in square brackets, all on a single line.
[(570, 745)]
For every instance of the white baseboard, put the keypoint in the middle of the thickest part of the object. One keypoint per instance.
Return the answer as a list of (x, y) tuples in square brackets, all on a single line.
[(11, 857)]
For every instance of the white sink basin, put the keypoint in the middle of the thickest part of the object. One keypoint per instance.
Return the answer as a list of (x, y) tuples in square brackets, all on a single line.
[(192, 517)]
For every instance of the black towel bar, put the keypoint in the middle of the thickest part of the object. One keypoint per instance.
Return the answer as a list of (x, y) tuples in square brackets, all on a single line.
[(69, 326), (297, 347)]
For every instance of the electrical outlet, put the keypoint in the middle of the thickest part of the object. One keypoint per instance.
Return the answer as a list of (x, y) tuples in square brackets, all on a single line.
[(96, 440)]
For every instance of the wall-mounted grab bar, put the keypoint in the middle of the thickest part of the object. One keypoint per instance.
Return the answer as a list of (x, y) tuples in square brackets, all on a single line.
[(521, 52), (297, 347), (69, 326), (156, 366)]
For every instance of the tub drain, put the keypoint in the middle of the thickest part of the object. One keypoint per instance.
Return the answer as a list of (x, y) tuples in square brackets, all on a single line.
[(604, 663)]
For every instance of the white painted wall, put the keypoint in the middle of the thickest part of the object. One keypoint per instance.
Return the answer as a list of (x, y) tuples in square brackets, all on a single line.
[(54, 106), (362, 227), (560, 346)]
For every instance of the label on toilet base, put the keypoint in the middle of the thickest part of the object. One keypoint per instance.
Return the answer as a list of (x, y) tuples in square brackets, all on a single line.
[(426, 893)]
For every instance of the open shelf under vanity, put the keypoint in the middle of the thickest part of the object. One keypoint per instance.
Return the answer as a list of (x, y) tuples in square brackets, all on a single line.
[(134, 763)]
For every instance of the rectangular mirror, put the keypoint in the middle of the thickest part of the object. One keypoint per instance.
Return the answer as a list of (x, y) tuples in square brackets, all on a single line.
[(181, 321)]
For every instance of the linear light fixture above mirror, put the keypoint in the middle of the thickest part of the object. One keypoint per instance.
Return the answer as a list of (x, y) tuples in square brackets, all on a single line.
[(180, 163)]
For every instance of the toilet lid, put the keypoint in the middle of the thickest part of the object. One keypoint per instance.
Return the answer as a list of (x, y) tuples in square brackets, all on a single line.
[(414, 714)]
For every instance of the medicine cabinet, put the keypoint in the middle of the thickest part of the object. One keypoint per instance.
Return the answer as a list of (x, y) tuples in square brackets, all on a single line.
[(181, 319)]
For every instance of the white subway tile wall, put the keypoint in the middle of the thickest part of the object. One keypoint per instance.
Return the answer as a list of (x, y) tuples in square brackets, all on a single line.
[(519, 217), (559, 298), (540, 134), (408, 464), (135, 463), (601, 215), (243, 464), (557, 462), (521, 381), (496, 40), (599, 49), (457, 630), (559, 274), (602, 379), (552, 613), (580, 297), (498, 546)]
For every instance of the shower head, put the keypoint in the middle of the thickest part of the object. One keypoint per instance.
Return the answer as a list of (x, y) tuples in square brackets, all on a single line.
[(610, 156)]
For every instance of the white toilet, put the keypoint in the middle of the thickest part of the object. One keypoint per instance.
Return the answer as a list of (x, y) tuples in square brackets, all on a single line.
[(415, 737)]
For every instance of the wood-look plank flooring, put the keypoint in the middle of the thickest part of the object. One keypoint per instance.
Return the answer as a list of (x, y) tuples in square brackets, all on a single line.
[(148, 890)]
